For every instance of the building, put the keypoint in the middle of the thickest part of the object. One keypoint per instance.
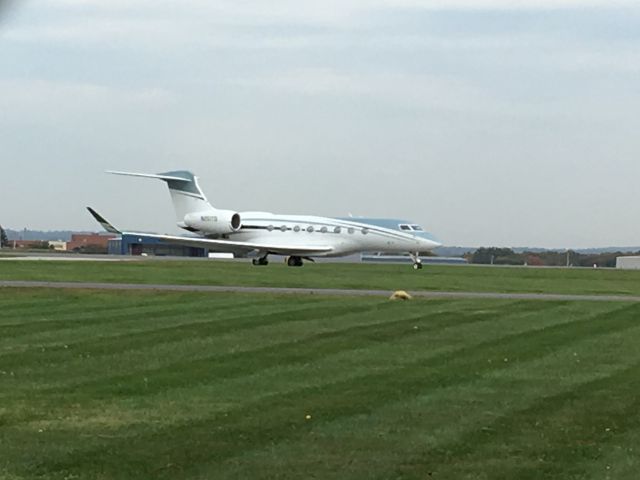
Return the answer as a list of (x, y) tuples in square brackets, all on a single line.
[(25, 243), (58, 245), (628, 263), (89, 242), (139, 245)]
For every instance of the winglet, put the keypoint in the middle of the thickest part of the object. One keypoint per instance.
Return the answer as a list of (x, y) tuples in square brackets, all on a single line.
[(102, 221)]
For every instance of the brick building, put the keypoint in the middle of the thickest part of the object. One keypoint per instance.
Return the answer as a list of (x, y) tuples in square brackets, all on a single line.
[(81, 241), (24, 243)]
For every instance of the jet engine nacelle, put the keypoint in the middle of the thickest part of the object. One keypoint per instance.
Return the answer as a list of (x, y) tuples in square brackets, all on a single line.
[(214, 221)]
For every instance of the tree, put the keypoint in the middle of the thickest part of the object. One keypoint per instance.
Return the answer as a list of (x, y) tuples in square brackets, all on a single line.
[(40, 245), (3, 237), (495, 255)]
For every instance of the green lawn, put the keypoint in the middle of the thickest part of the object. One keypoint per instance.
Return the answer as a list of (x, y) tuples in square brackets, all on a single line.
[(105, 385), (338, 275)]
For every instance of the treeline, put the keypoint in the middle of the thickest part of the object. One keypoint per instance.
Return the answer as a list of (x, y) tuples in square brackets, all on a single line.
[(506, 256), (26, 234)]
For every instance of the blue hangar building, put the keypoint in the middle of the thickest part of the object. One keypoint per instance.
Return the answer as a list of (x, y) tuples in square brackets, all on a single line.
[(139, 245)]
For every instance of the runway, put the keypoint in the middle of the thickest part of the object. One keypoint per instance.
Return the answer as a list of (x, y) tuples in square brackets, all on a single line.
[(315, 291)]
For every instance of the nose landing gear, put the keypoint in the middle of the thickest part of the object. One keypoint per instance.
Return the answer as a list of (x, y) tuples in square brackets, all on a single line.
[(417, 263)]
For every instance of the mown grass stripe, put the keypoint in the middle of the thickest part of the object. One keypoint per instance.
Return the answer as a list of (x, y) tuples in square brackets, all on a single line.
[(440, 418), (74, 384), (221, 366), (565, 430), (248, 356), (176, 368), (223, 436), (79, 317), (362, 364), (152, 337)]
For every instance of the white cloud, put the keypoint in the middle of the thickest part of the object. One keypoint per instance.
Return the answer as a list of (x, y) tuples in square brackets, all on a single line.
[(90, 31), (594, 60), (41, 99), (278, 7), (316, 12), (502, 4), (433, 94), (219, 24), (410, 91), (354, 86)]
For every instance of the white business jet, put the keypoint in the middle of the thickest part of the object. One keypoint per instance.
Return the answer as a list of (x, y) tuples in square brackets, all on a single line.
[(300, 237)]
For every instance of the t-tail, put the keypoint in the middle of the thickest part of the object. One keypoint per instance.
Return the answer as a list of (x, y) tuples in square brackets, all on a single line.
[(186, 195), (193, 210)]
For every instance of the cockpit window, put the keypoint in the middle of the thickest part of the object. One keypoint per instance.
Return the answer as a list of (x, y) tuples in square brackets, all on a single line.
[(404, 227), (417, 228)]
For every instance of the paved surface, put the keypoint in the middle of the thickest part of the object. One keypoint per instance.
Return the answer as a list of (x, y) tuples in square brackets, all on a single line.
[(316, 291), (83, 257), (63, 258)]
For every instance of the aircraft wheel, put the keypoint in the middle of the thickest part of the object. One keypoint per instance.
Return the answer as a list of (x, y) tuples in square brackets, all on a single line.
[(294, 261), (417, 266)]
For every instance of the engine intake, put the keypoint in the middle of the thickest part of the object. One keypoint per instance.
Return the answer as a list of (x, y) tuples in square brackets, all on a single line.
[(214, 221)]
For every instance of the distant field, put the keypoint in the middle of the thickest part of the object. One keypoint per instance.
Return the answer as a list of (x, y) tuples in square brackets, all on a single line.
[(104, 385), (338, 275)]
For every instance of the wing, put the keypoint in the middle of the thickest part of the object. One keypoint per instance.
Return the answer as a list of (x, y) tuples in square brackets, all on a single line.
[(219, 245), (233, 246)]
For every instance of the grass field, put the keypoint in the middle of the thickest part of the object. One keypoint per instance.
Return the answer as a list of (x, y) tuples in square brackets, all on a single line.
[(336, 275), (104, 385)]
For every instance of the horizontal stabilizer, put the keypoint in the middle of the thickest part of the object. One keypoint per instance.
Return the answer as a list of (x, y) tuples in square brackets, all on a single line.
[(150, 175), (102, 221), (186, 195)]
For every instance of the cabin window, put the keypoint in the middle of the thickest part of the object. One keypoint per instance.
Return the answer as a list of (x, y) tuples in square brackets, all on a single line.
[(337, 230), (296, 228), (310, 229), (351, 230), (323, 230), (404, 227), (270, 228), (283, 228), (365, 231)]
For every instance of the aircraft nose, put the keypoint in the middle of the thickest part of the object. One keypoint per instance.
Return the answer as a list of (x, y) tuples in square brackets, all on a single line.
[(428, 243)]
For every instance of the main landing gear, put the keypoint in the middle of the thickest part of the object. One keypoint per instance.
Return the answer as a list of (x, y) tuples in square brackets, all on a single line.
[(417, 263), (294, 261), (260, 261)]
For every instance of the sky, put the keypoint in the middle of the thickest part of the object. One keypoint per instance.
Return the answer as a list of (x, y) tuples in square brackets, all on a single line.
[(489, 122)]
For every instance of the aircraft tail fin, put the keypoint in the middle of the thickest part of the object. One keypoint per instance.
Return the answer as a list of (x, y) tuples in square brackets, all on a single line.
[(186, 195)]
